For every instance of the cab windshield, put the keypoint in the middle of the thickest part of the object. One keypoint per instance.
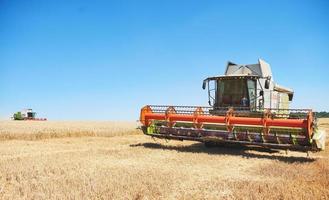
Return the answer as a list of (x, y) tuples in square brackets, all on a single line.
[(236, 93)]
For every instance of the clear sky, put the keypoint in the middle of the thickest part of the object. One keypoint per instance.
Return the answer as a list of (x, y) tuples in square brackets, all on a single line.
[(103, 60)]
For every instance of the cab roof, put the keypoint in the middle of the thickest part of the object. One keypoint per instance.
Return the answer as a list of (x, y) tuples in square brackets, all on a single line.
[(232, 77)]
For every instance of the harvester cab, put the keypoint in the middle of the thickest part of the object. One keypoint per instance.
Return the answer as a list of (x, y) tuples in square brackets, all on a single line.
[(246, 88), (246, 107)]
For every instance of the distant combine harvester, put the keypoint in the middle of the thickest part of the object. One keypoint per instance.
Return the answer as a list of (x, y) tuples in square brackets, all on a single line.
[(27, 114)]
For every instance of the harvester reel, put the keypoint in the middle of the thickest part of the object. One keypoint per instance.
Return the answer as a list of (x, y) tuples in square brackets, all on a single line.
[(198, 124)]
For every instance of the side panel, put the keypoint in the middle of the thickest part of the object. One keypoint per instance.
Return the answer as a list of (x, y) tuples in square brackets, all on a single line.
[(275, 98), (283, 101)]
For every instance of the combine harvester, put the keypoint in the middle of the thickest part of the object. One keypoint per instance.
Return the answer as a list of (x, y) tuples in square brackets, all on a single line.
[(27, 114), (247, 107)]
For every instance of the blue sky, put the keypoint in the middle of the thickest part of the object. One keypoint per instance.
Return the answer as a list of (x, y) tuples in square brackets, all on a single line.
[(103, 60)]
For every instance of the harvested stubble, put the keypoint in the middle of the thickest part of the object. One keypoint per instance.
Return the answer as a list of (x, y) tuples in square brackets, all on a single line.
[(136, 167)]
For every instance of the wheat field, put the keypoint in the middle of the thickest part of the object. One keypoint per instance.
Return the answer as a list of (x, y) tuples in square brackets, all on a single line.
[(35, 130), (113, 160)]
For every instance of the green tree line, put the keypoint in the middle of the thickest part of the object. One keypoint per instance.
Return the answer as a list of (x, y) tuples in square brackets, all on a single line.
[(322, 114)]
